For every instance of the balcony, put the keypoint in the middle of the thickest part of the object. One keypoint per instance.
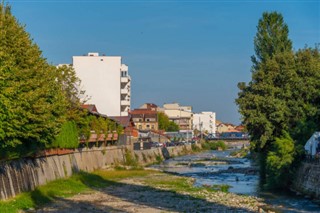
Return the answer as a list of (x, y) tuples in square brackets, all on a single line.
[(125, 103), (124, 91), (125, 79)]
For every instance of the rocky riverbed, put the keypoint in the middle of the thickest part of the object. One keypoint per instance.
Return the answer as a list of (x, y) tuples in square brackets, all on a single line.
[(156, 192)]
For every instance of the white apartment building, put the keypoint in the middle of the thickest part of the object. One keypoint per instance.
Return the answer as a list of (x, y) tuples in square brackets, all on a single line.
[(205, 121), (105, 81)]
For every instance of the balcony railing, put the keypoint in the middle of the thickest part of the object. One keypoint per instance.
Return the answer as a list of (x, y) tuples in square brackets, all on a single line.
[(125, 102), (125, 79)]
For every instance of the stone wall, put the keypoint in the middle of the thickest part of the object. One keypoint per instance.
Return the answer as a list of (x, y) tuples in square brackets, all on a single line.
[(149, 156), (307, 180), (25, 174)]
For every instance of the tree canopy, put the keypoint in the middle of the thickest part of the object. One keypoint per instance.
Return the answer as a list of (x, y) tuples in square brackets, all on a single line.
[(32, 101), (165, 124), (283, 94)]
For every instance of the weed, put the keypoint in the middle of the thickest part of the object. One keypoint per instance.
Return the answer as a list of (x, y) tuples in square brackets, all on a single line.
[(144, 157)]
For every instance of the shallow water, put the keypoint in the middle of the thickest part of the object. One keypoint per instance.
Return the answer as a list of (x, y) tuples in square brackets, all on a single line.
[(217, 167)]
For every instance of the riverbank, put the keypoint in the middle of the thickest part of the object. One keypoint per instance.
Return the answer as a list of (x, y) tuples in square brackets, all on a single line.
[(130, 191)]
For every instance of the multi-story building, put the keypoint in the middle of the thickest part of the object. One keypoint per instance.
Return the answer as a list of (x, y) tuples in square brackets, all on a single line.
[(181, 115), (106, 82), (146, 117), (205, 122)]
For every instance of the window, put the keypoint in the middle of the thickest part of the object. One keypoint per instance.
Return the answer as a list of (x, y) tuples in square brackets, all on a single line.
[(148, 119), (152, 127), (140, 127), (123, 73)]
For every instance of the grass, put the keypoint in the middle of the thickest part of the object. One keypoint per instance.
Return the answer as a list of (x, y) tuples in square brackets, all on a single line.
[(195, 148), (243, 152), (130, 159), (218, 145), (79, 183), (183, 185)]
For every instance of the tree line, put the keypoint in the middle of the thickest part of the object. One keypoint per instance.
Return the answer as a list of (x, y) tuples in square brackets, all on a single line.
[(40, 104), (280, 106)]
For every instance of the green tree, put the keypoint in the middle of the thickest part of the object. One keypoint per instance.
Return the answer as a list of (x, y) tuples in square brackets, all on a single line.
[(70, 84), (283, 96), (306, 94), (263, 102), (279, 160), (32, 102), (271, 38), (165, 124)]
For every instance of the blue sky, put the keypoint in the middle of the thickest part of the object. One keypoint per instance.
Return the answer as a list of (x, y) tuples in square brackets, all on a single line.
[(191, 52)]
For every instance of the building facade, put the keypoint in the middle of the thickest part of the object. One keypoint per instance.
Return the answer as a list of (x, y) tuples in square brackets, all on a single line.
[(181, 115), (205, 122), (146, 117), (106, 82)]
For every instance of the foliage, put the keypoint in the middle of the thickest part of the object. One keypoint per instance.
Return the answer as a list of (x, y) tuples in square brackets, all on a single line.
[(241, 153), (98, 125), (218, 145), (33, 105), (130, 159), (68, 136), (283, 95), (70, 84), (166, 124), (218, 187), (279, 161), (195, 148)]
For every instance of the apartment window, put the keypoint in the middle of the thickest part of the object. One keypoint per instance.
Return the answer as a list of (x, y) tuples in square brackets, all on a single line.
[(140, 127), (148, 119), (123, 73), (152, 127), (148, 126)]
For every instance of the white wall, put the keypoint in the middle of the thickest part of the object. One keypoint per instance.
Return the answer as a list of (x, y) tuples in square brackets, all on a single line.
[(208, 120), (100, 78)]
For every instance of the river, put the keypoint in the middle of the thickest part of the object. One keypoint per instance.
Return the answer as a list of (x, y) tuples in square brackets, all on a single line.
[(217, 168)]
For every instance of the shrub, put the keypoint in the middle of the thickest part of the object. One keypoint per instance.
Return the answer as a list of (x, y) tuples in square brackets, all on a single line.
[(214, 145), (68, 136)]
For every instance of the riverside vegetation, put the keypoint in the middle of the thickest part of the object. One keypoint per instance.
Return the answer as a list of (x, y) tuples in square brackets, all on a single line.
[(280, 105)]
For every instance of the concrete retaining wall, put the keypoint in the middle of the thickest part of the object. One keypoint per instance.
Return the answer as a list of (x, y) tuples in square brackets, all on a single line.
[(307, 180), (25, 174), (149, 156)]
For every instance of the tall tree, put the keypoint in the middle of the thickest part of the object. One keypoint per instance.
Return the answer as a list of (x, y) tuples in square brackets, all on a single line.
[(282, 97), (32, 101), (263, 102), (271, 38)]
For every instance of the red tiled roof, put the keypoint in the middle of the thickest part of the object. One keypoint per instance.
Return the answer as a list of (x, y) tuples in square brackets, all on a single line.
[(124, 121), (90, 107), (142, 111)]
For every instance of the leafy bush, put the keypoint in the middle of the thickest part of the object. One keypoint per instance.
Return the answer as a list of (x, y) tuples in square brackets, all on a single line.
[(130, 159), (68, 136), (219, 145), (195, 148), (279, 161)]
